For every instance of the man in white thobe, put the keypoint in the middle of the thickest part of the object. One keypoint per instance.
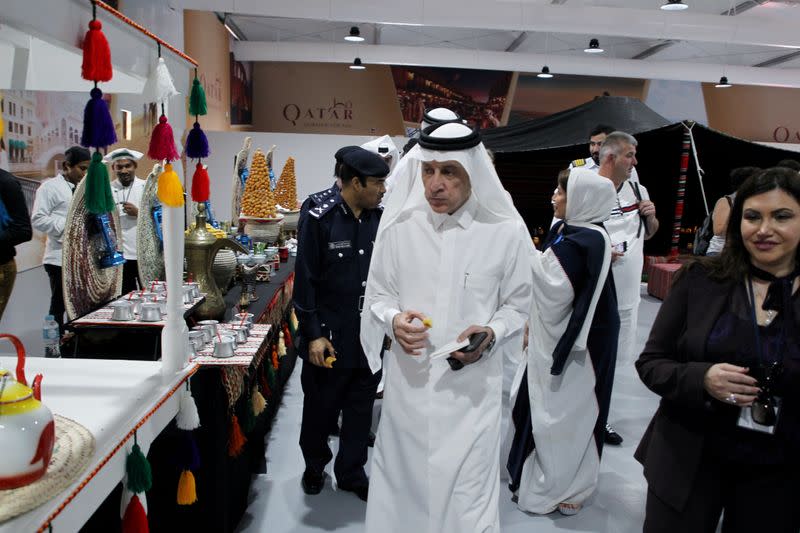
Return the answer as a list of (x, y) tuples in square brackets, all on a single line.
[(451, 251)]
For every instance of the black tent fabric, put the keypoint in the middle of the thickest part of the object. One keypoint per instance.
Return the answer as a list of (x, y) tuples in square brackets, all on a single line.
[(530, 175), (572, 126)]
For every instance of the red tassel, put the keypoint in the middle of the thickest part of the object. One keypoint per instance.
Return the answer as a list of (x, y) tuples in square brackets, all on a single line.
[(200, 184), (135, 519), (287, 338), (262, 380), (96, 54), (275, 358), (162, 142), (236, 439)]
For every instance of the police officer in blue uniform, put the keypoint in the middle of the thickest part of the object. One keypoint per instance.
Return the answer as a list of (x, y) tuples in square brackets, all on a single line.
[(318, 198), (334, 251)]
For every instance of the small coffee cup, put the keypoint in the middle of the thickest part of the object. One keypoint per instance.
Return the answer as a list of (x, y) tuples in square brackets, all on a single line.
[(150, 312), (122, 310), (224, 346)]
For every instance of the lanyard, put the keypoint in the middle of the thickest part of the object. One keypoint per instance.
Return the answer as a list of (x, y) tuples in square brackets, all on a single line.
[(757, 332)]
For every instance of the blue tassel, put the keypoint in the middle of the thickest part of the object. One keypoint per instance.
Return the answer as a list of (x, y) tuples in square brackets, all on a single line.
[(192, 457), (98, 127), (196, 143)]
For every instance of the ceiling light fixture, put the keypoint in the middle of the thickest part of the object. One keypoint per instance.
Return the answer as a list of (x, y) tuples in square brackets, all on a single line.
[(357, 64), (354, 36), (232, 28), (723, 83), (674, 5), (594, 47), (545, 73)]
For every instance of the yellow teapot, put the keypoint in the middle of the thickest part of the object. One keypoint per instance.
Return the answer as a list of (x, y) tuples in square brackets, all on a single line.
[(27, 427)]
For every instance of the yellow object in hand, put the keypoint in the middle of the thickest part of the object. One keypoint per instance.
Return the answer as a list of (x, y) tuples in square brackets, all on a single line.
[(428, 322), (329, 361)]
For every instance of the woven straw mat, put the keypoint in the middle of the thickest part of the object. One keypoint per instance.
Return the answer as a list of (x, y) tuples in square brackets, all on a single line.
[(148, 249)]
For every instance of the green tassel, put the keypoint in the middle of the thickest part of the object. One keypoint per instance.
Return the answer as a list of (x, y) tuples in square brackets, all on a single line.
[(140, 477), (98, 195), (197, 99)]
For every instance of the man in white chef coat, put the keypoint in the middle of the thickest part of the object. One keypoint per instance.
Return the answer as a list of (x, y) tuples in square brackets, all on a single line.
[(451, 251), (127, 190)]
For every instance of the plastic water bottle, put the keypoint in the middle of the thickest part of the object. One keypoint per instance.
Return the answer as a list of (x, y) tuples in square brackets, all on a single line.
[(52, 337)]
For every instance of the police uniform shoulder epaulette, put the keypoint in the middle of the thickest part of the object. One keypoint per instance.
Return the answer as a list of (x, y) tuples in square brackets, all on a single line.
[(319, 197), (579, 163), (326, 204)]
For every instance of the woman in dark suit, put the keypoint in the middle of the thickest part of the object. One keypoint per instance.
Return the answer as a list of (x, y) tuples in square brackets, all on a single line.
[(726, 436)]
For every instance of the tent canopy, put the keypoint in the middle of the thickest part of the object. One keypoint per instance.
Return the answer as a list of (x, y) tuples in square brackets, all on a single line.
[(572, 126), (529, 174)]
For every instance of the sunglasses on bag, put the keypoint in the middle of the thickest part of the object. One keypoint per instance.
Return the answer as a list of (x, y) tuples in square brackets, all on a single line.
[(763, 408)]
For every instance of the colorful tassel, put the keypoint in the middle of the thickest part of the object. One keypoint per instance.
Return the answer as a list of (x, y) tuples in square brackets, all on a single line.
[(201, 184), (170, 190), (135, 518), (197, 99), (275, 362), (159, 85), (262, 380), (271, 378), (191, 459), (2, 126), (98, 196), (281, 345), (98, 127), (287, 337), (187, 491), (140, 477), (196, 143), (236, 439), (162, 142), (187, 418), (96, 64), (259, 402)]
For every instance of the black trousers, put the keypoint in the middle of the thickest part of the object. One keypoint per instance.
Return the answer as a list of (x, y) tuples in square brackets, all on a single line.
[(326, 391), (753, 498), (56, 295), (130, 275)]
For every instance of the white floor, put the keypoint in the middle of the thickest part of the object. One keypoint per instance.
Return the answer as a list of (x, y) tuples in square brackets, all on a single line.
[(278, 504)]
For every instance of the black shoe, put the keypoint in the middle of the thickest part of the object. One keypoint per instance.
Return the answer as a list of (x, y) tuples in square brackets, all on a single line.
[(359, 490), (612, 437), (313, 482), (371, 440)]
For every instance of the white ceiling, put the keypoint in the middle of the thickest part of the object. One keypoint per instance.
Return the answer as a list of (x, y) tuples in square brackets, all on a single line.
[(712, 36)]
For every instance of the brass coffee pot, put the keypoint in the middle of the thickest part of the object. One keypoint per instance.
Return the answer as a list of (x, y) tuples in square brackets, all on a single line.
[(201, 248)]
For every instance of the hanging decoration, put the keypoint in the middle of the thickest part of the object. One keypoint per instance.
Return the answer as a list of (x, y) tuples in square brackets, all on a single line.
[(98, 127), (139, 479), (187, 420), (197, 142)]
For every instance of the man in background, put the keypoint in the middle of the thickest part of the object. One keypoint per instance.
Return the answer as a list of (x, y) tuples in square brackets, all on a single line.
[(127, 190), (50, 208)]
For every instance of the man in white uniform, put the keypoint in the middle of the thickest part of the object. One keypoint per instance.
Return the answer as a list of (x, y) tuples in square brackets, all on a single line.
[(452, 249), (127, 190), (633, 220), (596, 138), (49, 216)]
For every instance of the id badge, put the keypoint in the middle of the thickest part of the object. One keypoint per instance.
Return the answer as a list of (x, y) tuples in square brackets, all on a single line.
[(746, 420)]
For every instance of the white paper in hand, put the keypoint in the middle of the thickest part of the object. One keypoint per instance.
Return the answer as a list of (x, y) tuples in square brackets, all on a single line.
[(448, 348)]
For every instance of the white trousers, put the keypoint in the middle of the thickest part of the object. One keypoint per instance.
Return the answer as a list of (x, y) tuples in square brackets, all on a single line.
[(626, 346)]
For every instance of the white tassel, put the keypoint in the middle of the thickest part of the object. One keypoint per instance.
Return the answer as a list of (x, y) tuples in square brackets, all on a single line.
[(159, 85), (188, 418)]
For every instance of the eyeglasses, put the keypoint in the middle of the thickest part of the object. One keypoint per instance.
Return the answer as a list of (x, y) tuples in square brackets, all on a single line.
[(763, 408)]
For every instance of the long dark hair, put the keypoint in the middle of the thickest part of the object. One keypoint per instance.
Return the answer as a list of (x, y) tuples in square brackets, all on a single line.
[(734, 262)]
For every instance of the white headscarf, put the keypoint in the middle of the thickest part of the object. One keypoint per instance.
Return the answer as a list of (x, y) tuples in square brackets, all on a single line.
[(376, 144)]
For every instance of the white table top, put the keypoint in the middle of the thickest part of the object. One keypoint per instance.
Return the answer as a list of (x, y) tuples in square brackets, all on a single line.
[(109, 398)]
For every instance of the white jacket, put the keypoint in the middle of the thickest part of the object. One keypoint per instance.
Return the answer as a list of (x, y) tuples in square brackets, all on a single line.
[(50, 215)]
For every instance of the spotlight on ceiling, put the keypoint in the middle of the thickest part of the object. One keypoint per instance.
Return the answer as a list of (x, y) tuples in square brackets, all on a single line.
[(357, 64), (355, 35), (674, 5), (545, 73), (594, 47), (723, 83)]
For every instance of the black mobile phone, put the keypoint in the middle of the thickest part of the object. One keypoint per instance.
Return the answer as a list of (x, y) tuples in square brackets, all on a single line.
[(475, 340)]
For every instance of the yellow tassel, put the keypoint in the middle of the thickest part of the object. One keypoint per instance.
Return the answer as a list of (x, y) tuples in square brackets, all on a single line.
[(2, 126), (170, 190), (187, 492), (259, 403)]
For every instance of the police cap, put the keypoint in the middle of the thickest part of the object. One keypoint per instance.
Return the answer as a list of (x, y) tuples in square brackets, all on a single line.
[(365, 163)]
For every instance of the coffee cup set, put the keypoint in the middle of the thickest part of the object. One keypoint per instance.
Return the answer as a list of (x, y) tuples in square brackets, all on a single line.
[(150, 306), (224, 338)]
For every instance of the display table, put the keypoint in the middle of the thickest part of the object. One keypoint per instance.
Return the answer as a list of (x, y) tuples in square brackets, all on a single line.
[(660, 278), (112, 399), (221, 388), (94, 332)]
